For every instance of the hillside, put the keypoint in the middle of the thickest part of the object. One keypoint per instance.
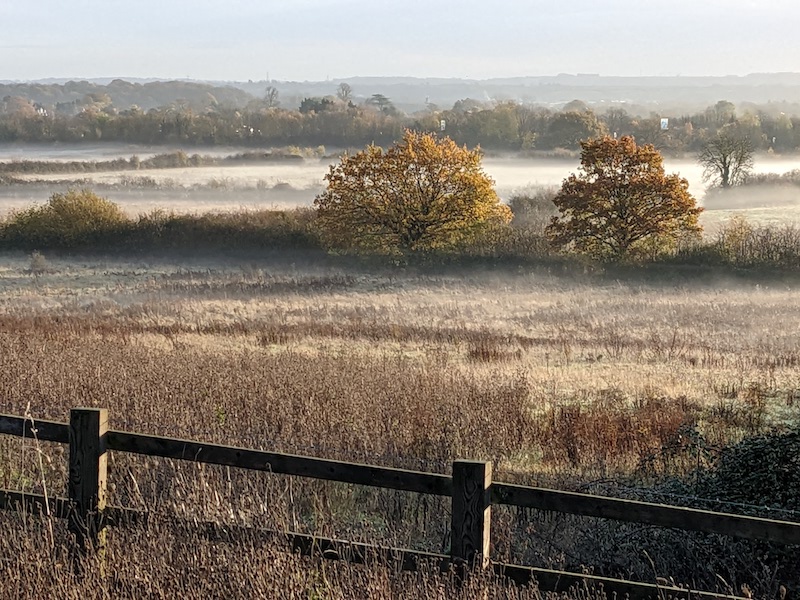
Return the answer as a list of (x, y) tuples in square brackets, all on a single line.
[(411, 94)]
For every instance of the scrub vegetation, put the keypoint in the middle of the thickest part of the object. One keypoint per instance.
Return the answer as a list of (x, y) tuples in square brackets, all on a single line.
[(461, 328), (643, 389), (83, 221)]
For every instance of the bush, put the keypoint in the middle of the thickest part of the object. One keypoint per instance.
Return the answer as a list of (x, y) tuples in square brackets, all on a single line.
[(762, 471), (75, 219), (81, 220), (771, 179), (744, 244), (244, 230), (533, 208)]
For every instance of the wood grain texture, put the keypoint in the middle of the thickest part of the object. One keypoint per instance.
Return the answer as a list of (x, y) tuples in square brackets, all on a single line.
[(45, 431), (88, 475), (471, 514), (690, 519), (287, 464)]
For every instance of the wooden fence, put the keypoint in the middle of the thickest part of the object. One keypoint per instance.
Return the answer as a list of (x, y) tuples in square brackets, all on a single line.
[(470, 487)]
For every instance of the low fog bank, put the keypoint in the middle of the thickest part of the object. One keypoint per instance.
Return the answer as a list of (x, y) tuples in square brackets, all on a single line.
[(761, 205), (749, 197), (109, 151), (189, 201), (263, 185)]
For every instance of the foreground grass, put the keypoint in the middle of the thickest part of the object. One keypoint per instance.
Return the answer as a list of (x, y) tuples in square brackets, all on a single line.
[(161, 561), (561, 381)]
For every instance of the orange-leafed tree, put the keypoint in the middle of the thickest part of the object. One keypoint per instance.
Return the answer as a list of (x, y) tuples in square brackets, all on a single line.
[(622, 204), (424, 193)]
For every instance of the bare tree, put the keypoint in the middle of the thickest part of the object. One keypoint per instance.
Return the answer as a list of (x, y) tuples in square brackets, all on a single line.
[(727, 159), (618, 121), (344, 92), (271, 97)]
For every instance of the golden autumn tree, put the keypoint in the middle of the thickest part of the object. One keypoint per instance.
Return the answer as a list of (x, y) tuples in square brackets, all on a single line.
[(424, 193), (622, 203)]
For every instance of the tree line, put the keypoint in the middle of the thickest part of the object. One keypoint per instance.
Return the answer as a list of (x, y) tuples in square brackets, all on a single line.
[(341, 121), (428, 199)]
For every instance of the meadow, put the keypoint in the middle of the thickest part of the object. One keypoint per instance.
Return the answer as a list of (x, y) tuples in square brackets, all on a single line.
[(638, 386), (676, 381), (233, 185)]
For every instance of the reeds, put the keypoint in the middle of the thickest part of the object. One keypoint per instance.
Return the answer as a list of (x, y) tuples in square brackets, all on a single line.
[(556, 381)]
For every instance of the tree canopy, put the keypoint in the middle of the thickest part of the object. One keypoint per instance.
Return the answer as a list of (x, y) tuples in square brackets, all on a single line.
[(184, 113), (622, 203), (567, 129), (727, 158), (424, 193)]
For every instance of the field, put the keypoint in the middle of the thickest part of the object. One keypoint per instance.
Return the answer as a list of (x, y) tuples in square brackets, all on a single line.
[(628, 387), (284, 185), (668, 384)]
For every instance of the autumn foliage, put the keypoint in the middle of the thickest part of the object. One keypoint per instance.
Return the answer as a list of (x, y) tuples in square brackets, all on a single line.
[(73, 219), (622, 203), (422, 194)]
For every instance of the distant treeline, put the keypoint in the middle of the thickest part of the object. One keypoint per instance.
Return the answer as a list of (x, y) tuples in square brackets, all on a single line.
[(339, 122), (167, 160), (71, 96)]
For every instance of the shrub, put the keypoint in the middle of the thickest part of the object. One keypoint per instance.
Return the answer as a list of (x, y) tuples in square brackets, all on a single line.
[(75, 219), (744, 244), (533, 208), (38, 264), (762, 471), (243, 230)]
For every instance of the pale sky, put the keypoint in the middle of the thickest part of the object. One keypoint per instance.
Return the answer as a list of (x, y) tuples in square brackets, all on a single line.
[(296, 40)]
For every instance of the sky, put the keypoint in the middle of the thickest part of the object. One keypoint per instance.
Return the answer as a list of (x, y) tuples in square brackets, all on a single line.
[(314, 40)]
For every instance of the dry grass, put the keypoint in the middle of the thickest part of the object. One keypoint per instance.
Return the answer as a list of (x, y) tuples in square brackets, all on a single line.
[(163, 562), (555, 380)]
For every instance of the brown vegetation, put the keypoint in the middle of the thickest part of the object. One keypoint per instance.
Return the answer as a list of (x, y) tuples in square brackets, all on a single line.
[(557, 381), (622, 203)]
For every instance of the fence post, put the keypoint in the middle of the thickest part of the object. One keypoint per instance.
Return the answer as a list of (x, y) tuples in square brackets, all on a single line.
[(87, 477), (471, 512)]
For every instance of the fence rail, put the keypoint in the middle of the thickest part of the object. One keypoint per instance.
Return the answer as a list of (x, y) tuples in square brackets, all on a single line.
[(470, 487), (286, 464), (45, 431), (648, 513), (34, 504)]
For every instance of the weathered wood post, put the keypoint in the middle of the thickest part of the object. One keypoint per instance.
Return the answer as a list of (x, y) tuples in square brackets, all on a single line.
[(471, 513), (87, 477)]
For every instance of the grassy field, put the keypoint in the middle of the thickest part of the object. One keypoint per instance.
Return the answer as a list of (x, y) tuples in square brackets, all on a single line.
[(627, 386)]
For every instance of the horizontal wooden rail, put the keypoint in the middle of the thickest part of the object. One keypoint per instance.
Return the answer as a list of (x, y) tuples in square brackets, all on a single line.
[(561, 581), (691, 519), (34, 504), (46, 431), (286, 464), (359, 553), (95, 441), (307, 545), (413, 560)]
